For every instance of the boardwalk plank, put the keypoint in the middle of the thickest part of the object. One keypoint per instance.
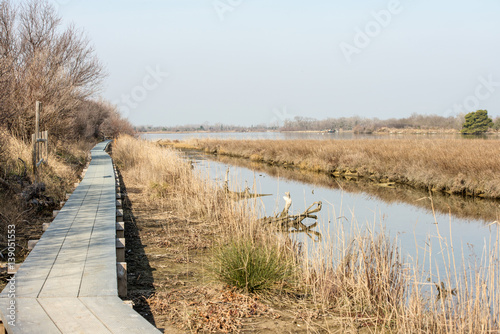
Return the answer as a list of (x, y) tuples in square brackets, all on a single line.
[(30, 317), (118, 317), (70, 315)]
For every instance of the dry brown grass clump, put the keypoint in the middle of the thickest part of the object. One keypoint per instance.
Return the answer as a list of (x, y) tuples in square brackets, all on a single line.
[(459, 166)]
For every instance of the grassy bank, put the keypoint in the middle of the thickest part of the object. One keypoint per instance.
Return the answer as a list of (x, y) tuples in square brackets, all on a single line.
[(467, 167), (359, 281)]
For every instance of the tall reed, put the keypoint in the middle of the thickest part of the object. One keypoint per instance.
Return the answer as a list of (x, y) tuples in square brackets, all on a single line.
[(245, 253)]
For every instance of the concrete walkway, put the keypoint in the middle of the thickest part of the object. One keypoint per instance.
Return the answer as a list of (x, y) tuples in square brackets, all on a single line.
[(68, 283)]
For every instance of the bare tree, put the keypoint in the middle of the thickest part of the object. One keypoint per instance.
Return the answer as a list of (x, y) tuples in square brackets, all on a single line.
[(48, 63)]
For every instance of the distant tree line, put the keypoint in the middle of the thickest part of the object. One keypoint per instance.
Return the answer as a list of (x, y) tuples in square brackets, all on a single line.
[(40, 60), (369, 125), (355, 123), (218, 127)]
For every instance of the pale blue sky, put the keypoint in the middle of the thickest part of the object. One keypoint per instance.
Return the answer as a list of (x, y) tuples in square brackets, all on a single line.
[(272, 59)]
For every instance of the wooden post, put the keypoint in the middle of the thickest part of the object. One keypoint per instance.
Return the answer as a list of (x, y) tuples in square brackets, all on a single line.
[(40, 143), (120, 249), (119, 216), (37, 125), (33, 139), (121, 273), (120, 230)]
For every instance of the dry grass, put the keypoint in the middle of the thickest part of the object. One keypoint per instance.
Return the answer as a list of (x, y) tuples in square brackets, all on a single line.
[(469, 167), (358, 280), (361, 278), (173, 185), (16, 174), (58, 175)]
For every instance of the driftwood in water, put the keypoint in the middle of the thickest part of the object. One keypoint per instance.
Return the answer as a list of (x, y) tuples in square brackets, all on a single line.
[(239, 195), (294, 223)]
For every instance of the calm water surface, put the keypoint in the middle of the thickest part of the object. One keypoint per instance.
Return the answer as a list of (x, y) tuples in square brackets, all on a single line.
[(412, 225)]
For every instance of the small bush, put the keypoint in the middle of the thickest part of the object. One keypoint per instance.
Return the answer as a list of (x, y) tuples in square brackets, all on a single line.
[(252, 266)]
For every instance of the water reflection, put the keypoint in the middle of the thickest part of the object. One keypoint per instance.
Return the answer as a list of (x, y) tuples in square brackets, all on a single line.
[(422, 224), (471, 209)]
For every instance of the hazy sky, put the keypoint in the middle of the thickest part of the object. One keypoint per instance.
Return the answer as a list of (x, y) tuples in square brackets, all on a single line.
[(246, 62)]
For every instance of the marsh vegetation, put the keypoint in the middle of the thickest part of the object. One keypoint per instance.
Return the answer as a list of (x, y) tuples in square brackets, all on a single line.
[(359, 281), (466, 167)]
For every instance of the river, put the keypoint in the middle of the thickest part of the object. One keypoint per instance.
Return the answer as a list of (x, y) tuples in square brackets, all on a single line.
[(439, 227)]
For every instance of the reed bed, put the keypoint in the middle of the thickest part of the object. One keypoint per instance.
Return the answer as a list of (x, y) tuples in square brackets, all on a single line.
[(358, 278), (469, 167), (365, 281), (245, 253)]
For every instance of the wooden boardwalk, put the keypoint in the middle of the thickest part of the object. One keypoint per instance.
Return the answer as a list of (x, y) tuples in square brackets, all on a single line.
[(68, 283)]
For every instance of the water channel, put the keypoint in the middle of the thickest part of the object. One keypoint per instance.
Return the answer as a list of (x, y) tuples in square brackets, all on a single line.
[(420, 222)]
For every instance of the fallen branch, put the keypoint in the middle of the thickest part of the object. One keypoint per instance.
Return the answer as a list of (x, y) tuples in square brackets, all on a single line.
[(294, 223)]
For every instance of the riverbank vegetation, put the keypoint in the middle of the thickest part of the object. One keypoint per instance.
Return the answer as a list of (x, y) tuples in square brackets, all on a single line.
[(359, 280), (466, 167)]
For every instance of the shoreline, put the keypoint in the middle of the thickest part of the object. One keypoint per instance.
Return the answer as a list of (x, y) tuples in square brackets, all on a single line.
[(439, 174)]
